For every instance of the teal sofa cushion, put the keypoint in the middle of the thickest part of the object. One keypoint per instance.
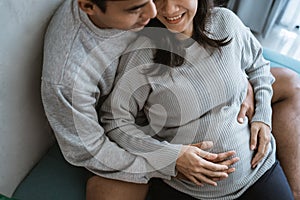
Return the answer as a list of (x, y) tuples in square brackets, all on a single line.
[(53, 179), (280, 60), (2, 197)]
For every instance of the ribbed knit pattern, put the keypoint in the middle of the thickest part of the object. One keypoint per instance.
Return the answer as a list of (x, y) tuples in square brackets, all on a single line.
[(195, 102)]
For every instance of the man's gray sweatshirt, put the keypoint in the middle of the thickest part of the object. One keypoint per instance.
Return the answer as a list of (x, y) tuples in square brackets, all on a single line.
[(80, 65)]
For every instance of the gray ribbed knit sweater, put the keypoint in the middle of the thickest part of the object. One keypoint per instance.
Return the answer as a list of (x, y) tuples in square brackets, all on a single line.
[(195, 102), (80, 63)]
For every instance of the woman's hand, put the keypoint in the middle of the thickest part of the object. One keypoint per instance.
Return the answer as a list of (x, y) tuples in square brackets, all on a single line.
[(202, 167), (260, 133)]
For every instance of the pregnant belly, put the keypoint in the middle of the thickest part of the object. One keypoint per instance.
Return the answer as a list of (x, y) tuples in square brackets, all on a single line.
[(235, 137)]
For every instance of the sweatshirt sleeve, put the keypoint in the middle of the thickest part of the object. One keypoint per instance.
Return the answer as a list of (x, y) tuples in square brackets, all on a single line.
[(121, 108), (73, 118)]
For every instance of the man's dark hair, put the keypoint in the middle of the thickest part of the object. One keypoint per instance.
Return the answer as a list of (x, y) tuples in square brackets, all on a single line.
[(101, 4)]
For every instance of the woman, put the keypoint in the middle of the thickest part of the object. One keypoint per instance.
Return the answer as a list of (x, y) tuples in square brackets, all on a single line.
[(197, 86)]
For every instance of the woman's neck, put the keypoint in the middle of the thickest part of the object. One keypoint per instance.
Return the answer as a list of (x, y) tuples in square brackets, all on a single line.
[(181, 36)]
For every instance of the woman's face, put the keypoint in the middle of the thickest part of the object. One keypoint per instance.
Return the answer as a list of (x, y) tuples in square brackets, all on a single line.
[(177, 15)]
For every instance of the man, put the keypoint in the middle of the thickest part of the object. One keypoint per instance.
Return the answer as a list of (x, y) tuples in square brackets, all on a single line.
[(83, 44)]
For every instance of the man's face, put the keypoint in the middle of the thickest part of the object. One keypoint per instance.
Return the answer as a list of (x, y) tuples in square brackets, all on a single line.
[(124, 14)]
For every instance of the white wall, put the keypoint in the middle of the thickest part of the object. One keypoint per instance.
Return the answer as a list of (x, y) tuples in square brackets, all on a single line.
[(24, 132), (291, 16), (258, 15)]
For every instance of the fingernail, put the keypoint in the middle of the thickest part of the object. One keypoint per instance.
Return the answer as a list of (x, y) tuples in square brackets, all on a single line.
[(252, 147), (241, 120)]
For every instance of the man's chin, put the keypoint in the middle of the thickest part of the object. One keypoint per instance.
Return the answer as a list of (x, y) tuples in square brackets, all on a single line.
[(138, 29)]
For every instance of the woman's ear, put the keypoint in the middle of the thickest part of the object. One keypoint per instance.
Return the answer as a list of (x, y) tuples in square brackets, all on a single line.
[(87, 6)]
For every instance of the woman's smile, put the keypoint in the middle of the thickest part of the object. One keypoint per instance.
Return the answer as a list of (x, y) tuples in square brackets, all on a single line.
[(177, 15), (175, 19)]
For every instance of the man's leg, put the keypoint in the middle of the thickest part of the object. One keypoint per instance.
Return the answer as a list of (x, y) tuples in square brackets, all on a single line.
[(286, 124), (99, 188)]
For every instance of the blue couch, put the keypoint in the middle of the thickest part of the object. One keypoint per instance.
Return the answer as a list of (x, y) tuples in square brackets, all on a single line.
[(280, 60)]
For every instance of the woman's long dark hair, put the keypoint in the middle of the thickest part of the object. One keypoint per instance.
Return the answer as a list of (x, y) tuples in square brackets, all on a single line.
[(170, 51)]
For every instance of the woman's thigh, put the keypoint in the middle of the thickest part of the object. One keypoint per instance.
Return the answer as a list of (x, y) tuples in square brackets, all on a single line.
[(273, 185)]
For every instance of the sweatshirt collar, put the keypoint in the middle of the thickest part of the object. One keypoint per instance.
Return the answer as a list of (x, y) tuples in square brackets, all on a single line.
[(98, 31)]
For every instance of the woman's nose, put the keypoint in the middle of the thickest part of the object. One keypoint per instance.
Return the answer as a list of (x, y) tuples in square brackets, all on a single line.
[(168, 7)]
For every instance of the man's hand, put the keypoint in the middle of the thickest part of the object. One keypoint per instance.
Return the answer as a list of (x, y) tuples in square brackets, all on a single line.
[(202, 167), (247, 107), (262, 133)]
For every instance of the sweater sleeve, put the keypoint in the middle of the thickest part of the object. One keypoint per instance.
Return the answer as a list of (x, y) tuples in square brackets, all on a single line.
[(121, 108), (259, 75), (74, 120), (249, 53)]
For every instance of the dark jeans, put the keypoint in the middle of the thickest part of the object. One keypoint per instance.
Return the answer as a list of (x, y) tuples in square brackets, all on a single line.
[(272, 185)]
